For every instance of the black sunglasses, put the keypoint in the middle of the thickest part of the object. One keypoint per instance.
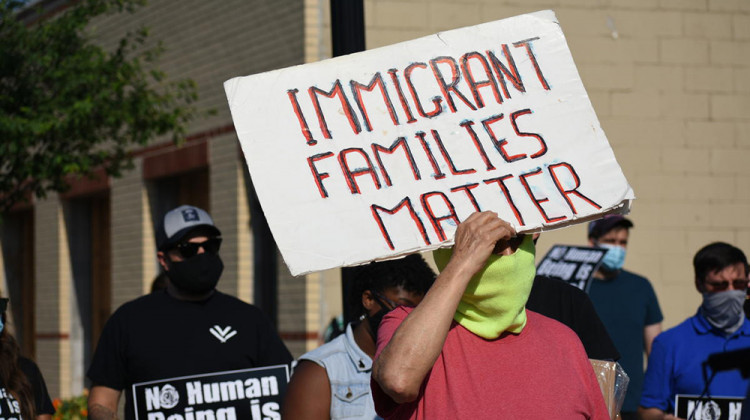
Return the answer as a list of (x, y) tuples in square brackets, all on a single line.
[(3, 304), (383, 301), (719, 286), (190, 249)]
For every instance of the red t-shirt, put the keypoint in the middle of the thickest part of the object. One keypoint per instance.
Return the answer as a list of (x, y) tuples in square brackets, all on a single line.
[(541, 373)]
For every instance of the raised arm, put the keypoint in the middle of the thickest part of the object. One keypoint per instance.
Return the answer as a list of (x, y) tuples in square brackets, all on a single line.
[(418, 341)]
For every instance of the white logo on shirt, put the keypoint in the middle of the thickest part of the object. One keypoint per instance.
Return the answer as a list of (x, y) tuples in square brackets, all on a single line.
[(169, 396), (222, 334)]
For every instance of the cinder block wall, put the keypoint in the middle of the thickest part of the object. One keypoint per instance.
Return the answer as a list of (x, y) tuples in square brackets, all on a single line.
[(52, 297), (668, 80), (133, 248)]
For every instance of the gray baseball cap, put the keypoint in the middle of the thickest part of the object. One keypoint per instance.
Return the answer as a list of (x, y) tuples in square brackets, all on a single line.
[(177, 223)]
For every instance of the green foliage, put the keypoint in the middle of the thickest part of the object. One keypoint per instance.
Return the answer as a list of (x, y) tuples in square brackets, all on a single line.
[(69, 106)]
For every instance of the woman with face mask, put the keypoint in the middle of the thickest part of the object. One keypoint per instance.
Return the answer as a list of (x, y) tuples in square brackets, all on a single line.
[(21, 383), (333, 381)]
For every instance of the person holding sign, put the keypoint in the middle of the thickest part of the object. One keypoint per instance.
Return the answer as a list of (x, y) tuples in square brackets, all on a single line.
[(23, 393), (188, 329), (333, 381), (676, 364), (471, 350), (625, 302)]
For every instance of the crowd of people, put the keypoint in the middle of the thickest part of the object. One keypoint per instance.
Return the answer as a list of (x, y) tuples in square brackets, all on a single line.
[(484, 339), (489, 338)]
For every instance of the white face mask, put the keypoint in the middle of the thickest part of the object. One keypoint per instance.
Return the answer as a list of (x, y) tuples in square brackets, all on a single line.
[(724, 310)]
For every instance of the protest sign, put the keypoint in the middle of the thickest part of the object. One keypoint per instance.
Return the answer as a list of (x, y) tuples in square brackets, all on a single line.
[(707, 408), (572, 264), (254, 394), (382, 153)]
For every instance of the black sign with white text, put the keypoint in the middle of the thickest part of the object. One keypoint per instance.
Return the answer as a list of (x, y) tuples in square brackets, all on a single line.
[(714, 408), (253, 394), (9, 408), (572, 264)]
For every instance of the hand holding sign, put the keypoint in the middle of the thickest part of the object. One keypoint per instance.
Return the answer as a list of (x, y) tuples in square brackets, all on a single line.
[(383, 153)]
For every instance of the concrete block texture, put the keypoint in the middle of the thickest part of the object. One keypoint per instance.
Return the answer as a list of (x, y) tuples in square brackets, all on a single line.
[(687, 5), (708, 25), (728, 6), (730, 107), (659, 78), (52, 336), (636, 24), (710, 134), (741, 26), (134, 262), (225, 189), (732, 53), (683, 51), (709, 79)]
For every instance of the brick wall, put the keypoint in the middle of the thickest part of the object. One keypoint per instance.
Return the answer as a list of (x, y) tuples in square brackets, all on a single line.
[(133, 250), (52, 287)]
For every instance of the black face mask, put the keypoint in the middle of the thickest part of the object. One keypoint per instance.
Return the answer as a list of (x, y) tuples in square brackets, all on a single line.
[(196, 275), (374, 321)]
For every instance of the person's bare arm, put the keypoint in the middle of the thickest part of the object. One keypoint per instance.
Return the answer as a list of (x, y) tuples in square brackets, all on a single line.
[(44, 417), (408, 357), (308, 396), (102, 403), (650, 414), (649, 333)]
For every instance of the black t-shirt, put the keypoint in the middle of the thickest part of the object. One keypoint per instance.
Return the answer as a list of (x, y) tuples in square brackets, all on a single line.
[(572, 306), (159, 337), (42, 403)]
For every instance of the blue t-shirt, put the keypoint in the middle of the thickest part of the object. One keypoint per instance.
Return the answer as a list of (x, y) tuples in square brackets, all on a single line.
[(675, 364), (626, 304)]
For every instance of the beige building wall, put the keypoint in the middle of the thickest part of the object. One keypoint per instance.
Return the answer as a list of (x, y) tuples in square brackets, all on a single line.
[(52, 287), (133, 249)]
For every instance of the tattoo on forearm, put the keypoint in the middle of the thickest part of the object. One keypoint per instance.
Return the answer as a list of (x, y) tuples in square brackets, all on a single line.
[(100, 412)]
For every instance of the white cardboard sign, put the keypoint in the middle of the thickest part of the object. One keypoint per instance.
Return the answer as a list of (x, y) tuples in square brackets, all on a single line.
[(382, 153)]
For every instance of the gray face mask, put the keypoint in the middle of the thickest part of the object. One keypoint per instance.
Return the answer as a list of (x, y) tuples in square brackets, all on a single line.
[(723, 310)]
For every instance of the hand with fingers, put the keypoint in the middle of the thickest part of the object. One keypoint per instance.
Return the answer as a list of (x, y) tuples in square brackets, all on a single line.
[(478, 237)]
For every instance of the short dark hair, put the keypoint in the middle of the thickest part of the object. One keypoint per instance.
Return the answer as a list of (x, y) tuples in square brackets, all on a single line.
[(603, 226), (411, 273), (716, 257)]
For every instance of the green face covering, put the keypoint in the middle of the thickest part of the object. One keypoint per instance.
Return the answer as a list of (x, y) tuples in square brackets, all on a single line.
[(495, 297)]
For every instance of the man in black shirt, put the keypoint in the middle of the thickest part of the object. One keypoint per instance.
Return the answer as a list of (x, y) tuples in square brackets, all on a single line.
[(570, 305), (188, 329)]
